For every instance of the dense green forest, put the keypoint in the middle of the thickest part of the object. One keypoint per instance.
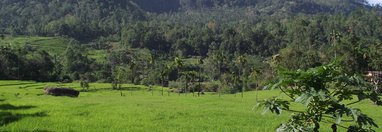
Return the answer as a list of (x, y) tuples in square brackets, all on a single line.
[(225, 45), (87, 19)]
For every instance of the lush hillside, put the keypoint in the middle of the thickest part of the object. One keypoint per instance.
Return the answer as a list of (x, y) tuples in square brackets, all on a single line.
[(98, 40), (145, 50), (83, 19), (86, 20)]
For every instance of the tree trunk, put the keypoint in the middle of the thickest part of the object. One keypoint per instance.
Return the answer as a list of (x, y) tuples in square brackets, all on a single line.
[(242, 95), (219, 78), (177, 76), (316, 127), (243, 85), (193, 91), (200, 80), (376, 89), (186, 88), (152, 90), (162, 81), (334, 128)]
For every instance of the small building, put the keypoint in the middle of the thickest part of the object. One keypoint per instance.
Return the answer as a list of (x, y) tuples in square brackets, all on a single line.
[(373, 76)]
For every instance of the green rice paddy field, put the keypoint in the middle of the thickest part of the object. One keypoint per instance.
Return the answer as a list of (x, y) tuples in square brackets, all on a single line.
[(24, 107), (53, 45)]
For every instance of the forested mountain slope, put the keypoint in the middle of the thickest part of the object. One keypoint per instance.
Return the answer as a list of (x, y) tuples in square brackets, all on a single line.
[(141, 38), (89, 19), (82, 19)]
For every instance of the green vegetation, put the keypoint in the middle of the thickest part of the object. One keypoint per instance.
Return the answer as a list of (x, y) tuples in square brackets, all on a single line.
[(25, 109), (219, 47), (53, 45), (90, 40), (325, 92)]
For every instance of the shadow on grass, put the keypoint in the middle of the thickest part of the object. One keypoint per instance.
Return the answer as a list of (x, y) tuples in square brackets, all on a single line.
[(16, 84), (29, 86), (95, 90), (12, 107), (7, 117), (110, 89), (38, 130)]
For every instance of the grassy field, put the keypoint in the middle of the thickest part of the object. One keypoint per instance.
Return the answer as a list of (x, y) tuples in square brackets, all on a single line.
[(99, 55), (23, 107), (53, 45)]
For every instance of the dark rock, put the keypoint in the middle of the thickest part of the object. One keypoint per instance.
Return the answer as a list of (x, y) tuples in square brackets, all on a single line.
[(61, 92)]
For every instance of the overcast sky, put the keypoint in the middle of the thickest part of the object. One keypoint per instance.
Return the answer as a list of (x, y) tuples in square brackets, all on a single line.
[(375, 1)]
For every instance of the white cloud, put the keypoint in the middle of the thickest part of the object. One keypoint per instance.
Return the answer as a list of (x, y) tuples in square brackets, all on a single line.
[(375, 2)]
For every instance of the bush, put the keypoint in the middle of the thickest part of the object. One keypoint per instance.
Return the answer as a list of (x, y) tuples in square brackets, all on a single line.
[(252, 85), (66, 79), (147, 82), (90, 77), (174, 84), (210, 87)]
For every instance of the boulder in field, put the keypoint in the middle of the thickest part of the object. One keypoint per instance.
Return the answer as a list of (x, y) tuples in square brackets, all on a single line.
[(61, 92)]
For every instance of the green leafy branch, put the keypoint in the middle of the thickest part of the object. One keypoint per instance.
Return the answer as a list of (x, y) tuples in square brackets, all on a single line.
[(323, 91)]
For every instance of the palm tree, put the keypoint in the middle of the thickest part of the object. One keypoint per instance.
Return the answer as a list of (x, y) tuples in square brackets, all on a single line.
[(241, 61), (255, 74), (335, 39), (152, 65), (178, 64), (220, 58), (186, 78), (201, 62), (163, 73), (189, 77)]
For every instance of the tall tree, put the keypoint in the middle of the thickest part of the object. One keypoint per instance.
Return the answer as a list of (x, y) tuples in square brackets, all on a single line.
[(241, 62), (178, 64)]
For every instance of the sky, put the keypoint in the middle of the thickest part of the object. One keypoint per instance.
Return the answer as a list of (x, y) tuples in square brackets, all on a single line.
[(375, 2)]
